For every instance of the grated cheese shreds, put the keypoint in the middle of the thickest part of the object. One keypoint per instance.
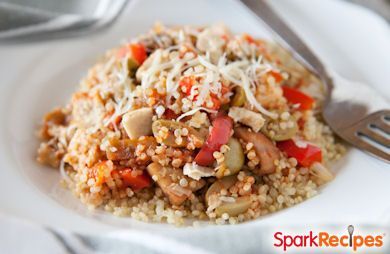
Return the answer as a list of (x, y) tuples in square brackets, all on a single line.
[(237, 69), (63, 173), (251, 97), (193, 111)]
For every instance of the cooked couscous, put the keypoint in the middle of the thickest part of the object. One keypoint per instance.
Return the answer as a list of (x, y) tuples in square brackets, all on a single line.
[(192, 122)]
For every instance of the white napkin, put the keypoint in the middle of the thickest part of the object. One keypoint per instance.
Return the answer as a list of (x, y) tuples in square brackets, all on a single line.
[(23, 237)]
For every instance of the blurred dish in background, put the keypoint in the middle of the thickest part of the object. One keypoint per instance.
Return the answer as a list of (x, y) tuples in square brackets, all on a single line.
[(44, 19)]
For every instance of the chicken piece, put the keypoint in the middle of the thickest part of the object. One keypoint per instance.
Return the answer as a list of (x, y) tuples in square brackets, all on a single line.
[(267, 152), (49, 155), (156, 40), (164, 132), (210, 40), (247, 117), (168, 179), (147, 64), (53, 118), (138, 122), (124, 149), (196, 172)]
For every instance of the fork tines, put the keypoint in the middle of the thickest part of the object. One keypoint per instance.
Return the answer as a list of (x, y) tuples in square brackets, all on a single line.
[(372, 134)]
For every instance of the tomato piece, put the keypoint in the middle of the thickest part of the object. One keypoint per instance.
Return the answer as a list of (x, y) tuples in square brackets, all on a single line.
[(138, 52), (136, 182), (295, 96), (186, 84), (97, 172), (122, 52), (219, 135), (225, 37), (115, 122), (170, 114), (224, 89), (249, 38), (277, 76), (305, 156), (216, 102), (301, 123)]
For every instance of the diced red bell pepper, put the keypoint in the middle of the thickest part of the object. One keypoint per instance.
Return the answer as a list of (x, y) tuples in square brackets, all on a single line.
[(137, 50), (219, 135), (137, 182), (216, 115), (305, 156), (294, 96), (205, 157)]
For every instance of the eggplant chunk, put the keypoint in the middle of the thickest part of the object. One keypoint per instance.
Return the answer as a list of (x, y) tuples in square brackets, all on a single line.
[(279, 134), (239, 97), (176, 193), (224, 183), (124, 149), (234, 159), (169, 138), (241, 205)]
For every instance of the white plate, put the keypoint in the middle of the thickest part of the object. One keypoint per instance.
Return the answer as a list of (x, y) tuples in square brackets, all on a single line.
[(36, 77)]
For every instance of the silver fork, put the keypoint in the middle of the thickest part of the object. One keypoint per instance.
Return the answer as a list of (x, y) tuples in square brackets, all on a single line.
[(354, 111)]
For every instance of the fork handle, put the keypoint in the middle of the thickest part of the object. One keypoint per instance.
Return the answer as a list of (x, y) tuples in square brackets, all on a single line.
[(287, 37)]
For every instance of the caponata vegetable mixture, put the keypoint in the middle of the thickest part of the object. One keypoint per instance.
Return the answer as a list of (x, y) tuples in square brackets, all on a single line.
[(192, 122)]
